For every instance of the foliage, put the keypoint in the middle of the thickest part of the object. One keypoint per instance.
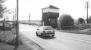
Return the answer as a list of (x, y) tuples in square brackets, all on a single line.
[(81, 21), (65, 21), (2, 8)]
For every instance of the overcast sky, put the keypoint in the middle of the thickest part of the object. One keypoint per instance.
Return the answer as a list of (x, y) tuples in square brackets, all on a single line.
[(76, 8)]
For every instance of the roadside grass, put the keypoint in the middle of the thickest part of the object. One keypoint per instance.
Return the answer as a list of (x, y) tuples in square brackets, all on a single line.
[(26, 44), (7, 41), (4, 46)]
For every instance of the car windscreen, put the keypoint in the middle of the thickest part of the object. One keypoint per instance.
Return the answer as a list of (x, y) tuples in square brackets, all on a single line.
[(47, 28)]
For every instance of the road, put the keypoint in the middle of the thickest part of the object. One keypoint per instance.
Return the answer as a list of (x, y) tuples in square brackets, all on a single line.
[(62, 41)]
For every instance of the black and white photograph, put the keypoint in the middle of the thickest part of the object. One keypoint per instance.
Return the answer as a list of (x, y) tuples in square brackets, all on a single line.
[(45, 24)]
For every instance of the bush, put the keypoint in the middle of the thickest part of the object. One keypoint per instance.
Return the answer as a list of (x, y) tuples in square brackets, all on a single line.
[(13, 42), (9, 37), (81, 21), (65, 21)]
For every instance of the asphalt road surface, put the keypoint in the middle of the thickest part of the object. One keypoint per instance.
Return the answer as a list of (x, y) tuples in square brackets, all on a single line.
[(62, 40)]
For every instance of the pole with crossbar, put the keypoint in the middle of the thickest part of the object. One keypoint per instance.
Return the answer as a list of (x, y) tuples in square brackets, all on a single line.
[(87, 6), (17, 26)]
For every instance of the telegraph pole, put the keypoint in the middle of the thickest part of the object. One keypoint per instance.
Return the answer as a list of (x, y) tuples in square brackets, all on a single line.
[(29, 17), (42, 18), (87, 6), (17, 26)]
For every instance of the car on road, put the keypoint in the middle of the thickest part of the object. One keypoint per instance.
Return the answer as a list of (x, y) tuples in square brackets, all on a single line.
[(47, 31)]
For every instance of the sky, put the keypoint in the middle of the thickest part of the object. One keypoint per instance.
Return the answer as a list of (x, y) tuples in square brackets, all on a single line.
[(75, 8)]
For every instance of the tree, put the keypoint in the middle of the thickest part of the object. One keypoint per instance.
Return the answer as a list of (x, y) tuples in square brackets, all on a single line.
[(2, 8), (2, 12), (81, 21), (65, 21)]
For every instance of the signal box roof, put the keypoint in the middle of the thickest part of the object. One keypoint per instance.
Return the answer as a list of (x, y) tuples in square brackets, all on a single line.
[(52, 7)]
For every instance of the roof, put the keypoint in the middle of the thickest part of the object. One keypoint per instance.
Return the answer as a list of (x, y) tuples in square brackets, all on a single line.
[(52, 7)]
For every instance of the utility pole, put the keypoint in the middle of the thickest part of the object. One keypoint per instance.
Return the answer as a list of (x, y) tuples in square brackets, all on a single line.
[(17, 26), (29, 17), (87, 6), (13, 18), (42, 22)]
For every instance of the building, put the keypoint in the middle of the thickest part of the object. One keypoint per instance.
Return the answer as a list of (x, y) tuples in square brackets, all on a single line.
[(50, 15)]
